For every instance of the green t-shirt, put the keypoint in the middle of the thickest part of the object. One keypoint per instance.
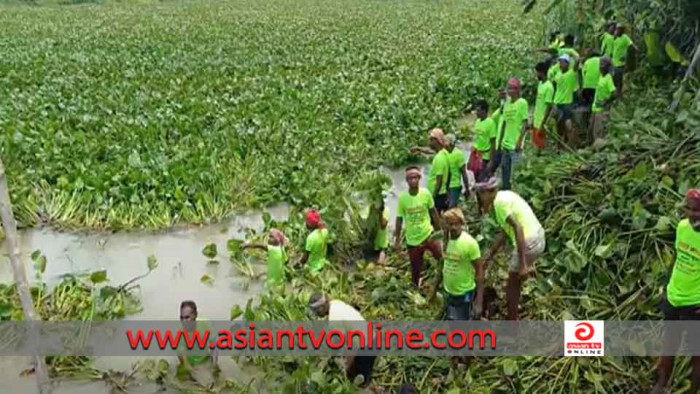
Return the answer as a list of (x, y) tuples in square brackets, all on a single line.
[(508, 203), (514, 116), (440, 166), (415, 213), (571, 52), (603, 92), (276, 257), (498, 120), (591, 73), (620, 47), (456, 160), (317, 245), (567, 85), (201, 327), (684, 287), (606, 46), (381, 240), (545, 97), (484, 130), (458, 268), (553, 72)]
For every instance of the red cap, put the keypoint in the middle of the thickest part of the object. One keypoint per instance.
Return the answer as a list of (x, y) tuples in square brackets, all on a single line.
[(692, 198), (514, 83), (313, 218)]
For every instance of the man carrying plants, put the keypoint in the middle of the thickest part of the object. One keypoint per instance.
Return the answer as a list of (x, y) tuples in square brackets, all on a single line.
[(338, 311), (525, 233), (458, 171), (415, 208), (276, 256), (439, 175), (682, 297), (202, 369), (510, 140), (316, 243)]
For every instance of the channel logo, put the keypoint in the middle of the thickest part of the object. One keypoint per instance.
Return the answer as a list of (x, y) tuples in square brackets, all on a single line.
[(584, 338)]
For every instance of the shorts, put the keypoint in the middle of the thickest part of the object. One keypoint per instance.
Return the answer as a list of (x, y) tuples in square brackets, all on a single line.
[(415, 255), (454, 194), (458, 307), (564, 112), (618, 73), (683, 313), (534, 248), (588, 96), (362, 365), (442, 202)]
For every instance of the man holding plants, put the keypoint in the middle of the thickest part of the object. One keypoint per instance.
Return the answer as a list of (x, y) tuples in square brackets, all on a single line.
[(510, 140), (415, 208), (682, 296), (276, 256), (525, 233), (439, 175), (316, 243)]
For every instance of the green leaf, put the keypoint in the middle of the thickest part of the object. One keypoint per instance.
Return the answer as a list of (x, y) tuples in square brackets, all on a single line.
[(207, 280), (98, 276), (551, 6), (604, 251), (152, 262), (234, 245), (35, 254), (663, 224), (210, 251), (236, 312), (318, 377), (510, 367), (674, 54)]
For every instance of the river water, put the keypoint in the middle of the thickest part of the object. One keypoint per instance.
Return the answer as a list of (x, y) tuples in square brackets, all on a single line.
[(181, 265)]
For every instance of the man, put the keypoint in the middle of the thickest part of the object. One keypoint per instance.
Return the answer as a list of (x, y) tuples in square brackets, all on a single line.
[(200, 368), (543, 106), (525, 233), (566, 87), (439, 175), (590, 73), (568, 48), (458, 171), (621, 47), (416, 207), (338, 311), (682, 296), (510, 144), (484, 140), (276, 256), (378, 220), (316, 246), (606, 45), (604, 96)]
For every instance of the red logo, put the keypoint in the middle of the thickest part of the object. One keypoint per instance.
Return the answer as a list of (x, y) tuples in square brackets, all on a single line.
[(584, 333)]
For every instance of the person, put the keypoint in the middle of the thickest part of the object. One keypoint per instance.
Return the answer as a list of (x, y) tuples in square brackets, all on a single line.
[(590, 73), (568, 48), (379, 228), (525, 233), (202, 369), (338, 311), (461, 265), (621, 47), (458, 171), (485, 139), (681, 300), (543, 106), (276, 255), (566, 87), (604, 96), (416, 207), (510, 144), (439, 175), (606, 45), (316, 243)]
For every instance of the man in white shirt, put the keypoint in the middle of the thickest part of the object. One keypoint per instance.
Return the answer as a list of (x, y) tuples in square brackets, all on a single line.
[(338, 311)]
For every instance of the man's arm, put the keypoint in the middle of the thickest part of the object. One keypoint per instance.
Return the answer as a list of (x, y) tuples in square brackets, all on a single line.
[(436, 218), (465, 179), (523, 130), (397, 233), (519, 243), (480, 278), (255, 246), (438, 185)]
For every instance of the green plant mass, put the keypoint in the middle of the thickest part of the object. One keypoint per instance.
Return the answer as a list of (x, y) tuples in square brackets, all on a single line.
[(148, 115)]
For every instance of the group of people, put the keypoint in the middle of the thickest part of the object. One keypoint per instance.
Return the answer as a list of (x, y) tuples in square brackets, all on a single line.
[(430, 220)]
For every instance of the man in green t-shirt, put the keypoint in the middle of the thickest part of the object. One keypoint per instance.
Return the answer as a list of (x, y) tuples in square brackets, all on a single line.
[(590, 73), (520, 226), (276, 256), (316, 246), (459, 181), (543, 106), (621, 47), (415, 208), (511, 133), (606, 45), (605, 94), (566, 87), (200, 368), (378, 228), (484, 140), (439, 174), (682, 297)]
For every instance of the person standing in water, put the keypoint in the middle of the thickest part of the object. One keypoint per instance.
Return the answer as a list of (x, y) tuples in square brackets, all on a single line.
[(202, 369), (316, 246), (520, 225), (378, 220)]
